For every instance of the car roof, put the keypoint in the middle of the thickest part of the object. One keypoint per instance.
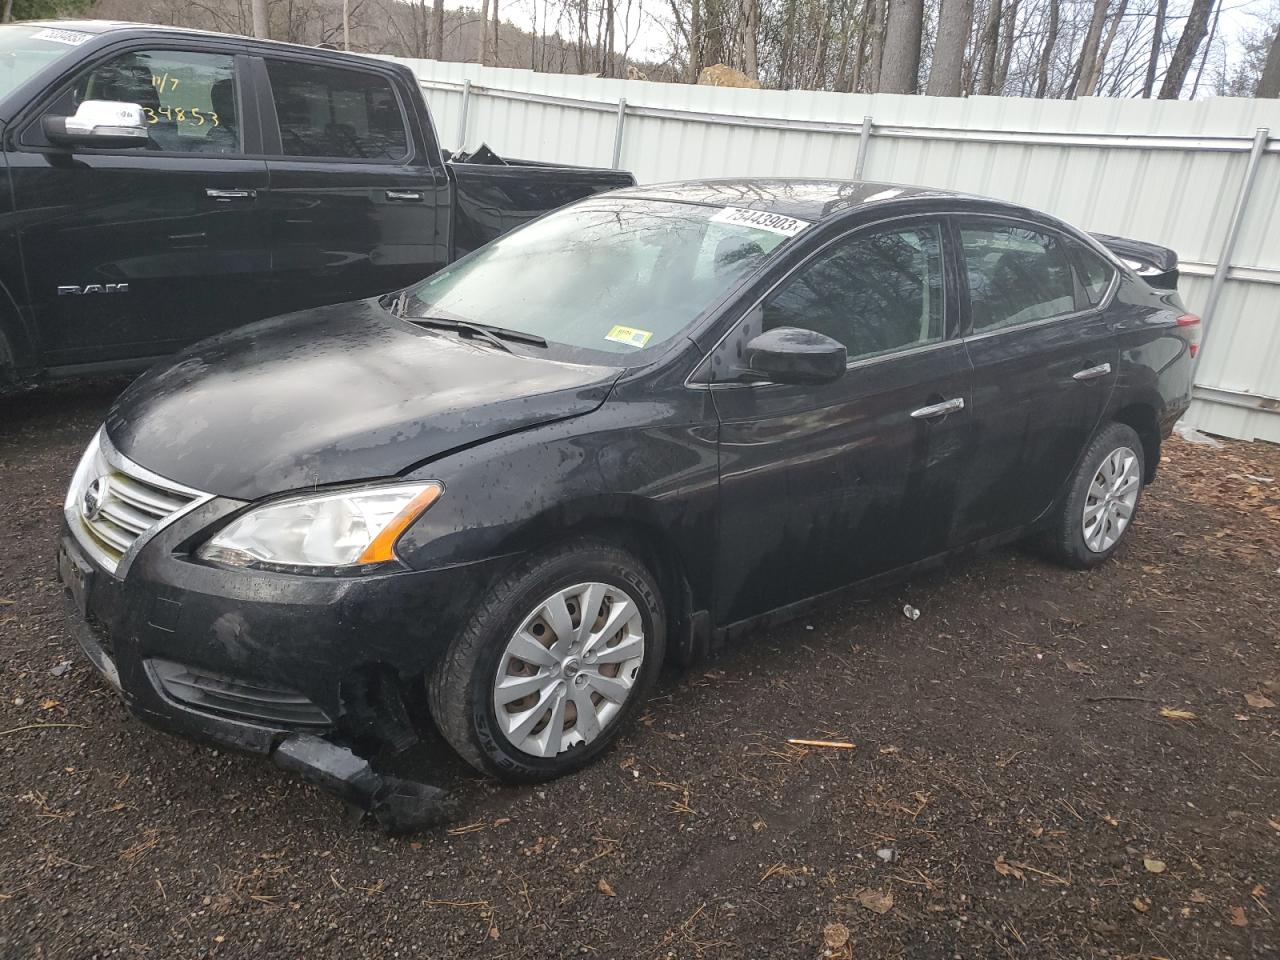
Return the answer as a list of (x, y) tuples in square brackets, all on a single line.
[(804, 199), (104, 27)]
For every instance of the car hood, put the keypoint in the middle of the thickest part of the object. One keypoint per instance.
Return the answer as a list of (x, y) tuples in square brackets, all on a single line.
[(333, 395)]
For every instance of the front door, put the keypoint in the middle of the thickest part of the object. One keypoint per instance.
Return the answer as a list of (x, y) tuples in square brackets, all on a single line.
[(1045, 362), (824, 485), (134, 253), (359, 199)]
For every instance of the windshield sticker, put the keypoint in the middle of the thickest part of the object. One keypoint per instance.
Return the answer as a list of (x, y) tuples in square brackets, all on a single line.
[(70, 37), (631, 336), (761, 220)]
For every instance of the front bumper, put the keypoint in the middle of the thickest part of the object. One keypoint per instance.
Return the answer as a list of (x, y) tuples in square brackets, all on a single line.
[(295, 667)]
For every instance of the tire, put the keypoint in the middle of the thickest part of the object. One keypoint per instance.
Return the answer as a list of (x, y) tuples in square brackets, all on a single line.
[(461, 688), (1068, 539)]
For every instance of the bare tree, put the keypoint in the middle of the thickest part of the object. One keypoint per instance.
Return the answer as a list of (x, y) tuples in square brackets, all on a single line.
[(1192, 34), (1089, 53), (988, 50), (497, 54), (261, 24), (1046, 54), (899, 71), (1157, 38), (1269, 82), (954, 21), (482, 48), (1089, 83), (437, 30)]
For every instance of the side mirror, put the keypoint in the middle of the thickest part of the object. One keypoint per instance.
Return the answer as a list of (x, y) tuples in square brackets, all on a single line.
[(99, 123), (791, 355)]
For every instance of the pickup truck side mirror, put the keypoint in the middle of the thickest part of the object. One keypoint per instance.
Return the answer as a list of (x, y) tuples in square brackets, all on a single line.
[(99, 123), (792, 355)]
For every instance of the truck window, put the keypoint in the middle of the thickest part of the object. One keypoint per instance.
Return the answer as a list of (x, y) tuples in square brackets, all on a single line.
[(190, 99), (336, 113)]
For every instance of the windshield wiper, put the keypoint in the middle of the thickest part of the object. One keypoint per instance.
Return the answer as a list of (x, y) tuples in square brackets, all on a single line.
[(485, 330)]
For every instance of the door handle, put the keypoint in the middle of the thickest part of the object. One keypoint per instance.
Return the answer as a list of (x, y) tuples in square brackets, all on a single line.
[(938, 409), (408, 196), (224, 195), (1092, 373)]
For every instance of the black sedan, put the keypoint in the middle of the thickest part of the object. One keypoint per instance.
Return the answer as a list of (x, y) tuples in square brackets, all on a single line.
[(611, 438)]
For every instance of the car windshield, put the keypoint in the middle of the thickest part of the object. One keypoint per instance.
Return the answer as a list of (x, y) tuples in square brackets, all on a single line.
[(611, 275), (26, 50)]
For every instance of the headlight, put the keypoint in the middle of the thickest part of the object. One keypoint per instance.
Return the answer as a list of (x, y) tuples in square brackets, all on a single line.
[(348, 528)]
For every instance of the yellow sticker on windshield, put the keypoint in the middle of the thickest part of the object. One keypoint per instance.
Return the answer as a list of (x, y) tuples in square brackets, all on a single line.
[(631, 336)]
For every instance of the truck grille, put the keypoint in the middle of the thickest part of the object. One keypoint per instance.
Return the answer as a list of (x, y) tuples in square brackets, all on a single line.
[(113, 503)]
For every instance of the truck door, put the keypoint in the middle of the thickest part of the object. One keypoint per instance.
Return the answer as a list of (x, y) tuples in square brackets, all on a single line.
[(132, 253), (358, 198)]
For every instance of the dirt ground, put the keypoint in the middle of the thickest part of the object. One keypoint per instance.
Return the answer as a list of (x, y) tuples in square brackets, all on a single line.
[(1048, 764)]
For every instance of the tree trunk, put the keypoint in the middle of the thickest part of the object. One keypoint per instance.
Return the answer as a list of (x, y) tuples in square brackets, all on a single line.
[(1088, 56), (1157, 38), (899, 72), (437, 30), (1046, 55), (7, 15), (1192, 34), (954, 21), (880, 11), (1006, 45), (261, 25), (482, 49), (1204, 58), (695, 40), (1095, 74), (988, 48), (751, 38), (1269, 82), (496, 53)]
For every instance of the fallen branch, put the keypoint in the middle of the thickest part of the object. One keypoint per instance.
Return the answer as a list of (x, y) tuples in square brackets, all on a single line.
[(38, 726), (834, 744), (1118, 697)]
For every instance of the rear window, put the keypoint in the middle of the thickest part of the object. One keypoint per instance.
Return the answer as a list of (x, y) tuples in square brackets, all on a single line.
[(336, 113), (1095, 275)]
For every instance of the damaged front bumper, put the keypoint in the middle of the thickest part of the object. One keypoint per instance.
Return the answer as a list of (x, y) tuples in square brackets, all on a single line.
[(309, 671)]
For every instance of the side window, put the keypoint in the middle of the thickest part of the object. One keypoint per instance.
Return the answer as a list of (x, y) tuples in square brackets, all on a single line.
[(1016, 274), (1095, 275), (874, 292), (336, 113), (189, 99)]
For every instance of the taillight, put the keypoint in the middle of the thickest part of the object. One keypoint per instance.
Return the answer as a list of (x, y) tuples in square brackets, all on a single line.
[(1191, 320)]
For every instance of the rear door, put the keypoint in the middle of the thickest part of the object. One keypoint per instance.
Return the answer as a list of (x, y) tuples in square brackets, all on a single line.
[(132, 253), (824, 485), (359, 199), (1045, 362)]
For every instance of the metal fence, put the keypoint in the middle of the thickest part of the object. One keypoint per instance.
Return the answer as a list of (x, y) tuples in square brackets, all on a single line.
[(1201, 177)]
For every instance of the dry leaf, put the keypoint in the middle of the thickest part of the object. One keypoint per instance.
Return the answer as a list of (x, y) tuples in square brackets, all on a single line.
[(877, 901), (835, 935), (1197, 896), (1258, 701), (1238, 919), (1005, 870), (1075, 666), (1171, 714), (1153, 866), (48, 704), (889, 749), (1275, 824), (1141, 905), (1258, 890), (603, 886)]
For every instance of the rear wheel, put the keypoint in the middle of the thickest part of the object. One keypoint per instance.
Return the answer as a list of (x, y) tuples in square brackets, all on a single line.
[(1101, 502), (554, 663)]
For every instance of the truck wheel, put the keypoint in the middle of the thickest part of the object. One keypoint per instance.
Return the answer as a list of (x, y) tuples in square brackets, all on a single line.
[(1101, 502), (553, 665)]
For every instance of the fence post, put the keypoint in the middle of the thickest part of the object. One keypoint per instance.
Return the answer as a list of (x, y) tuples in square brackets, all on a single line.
[(864, 141), (1233, 232), (617, 132), (462, 116)]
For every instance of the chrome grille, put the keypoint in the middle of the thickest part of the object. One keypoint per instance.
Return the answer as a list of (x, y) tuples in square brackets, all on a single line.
[(114, 504)]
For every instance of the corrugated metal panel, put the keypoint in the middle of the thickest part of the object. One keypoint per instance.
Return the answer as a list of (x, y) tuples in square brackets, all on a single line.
[(1164, 171)]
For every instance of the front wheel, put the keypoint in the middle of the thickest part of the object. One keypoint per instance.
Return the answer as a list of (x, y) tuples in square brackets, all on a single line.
[(553, 664), (1101, 502)]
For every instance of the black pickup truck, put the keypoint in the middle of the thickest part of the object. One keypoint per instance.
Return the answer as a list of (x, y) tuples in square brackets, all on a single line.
[(161, 185)]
